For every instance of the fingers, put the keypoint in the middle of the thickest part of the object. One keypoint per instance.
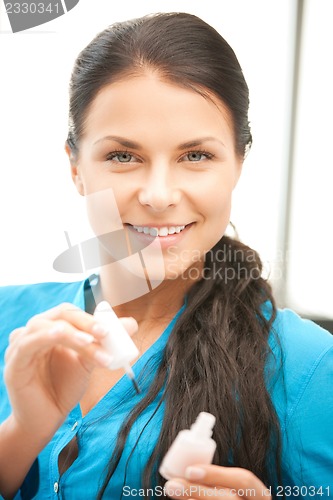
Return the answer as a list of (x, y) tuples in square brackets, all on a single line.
[(14, 336), (71, 314), (80, 319), (230, 477), (218, 482), (18, 332), (64, 326), (25, 346), (178, 488), (42, 334)]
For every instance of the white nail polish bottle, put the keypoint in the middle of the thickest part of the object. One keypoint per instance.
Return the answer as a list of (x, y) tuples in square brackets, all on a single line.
[(193, 446), (117, 341)]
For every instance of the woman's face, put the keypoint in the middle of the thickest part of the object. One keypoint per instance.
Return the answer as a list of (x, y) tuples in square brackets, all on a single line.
[(168, 155)]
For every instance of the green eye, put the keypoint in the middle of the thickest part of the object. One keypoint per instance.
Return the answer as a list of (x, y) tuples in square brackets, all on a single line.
[(121, 157), (195, 156)]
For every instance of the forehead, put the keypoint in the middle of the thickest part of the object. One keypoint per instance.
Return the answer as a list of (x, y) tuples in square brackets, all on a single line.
[(149, 104)]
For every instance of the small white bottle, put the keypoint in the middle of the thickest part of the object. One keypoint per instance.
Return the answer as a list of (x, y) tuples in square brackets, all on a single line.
[(117, 341), (193, 446)]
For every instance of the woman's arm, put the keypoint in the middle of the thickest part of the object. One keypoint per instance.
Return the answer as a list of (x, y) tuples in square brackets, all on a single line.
[(48, 367), (36, 357)]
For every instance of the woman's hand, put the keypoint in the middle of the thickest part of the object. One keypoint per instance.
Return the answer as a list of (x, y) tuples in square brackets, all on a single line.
[(49, 363), (213, 481)]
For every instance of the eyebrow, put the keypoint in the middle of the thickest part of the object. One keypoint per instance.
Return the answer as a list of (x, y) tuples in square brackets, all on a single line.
[(121, 140), (135, 145), (198, 142)]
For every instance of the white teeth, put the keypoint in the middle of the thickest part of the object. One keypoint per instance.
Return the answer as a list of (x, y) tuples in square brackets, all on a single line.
[(162, 231)]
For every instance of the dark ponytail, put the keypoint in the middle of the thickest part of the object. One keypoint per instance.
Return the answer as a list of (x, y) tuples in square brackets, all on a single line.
[(214, 361)]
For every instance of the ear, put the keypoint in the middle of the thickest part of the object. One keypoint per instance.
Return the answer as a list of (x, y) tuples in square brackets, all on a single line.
[(75, 171)]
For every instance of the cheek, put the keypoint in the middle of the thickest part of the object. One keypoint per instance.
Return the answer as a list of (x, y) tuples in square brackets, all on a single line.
[(220, 224), (216, 212), (216, 204), (103, 211)]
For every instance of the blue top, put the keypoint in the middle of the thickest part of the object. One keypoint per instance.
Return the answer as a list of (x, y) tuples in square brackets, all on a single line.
[(304, 407)]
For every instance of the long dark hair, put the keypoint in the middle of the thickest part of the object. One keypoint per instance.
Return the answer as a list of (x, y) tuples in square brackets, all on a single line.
[(216, 356)]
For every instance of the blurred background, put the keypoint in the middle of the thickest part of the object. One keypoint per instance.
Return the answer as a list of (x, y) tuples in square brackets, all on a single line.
[(283, 204)]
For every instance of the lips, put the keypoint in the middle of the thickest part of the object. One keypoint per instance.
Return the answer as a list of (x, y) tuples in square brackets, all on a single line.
[(159, 231), (172, 237)]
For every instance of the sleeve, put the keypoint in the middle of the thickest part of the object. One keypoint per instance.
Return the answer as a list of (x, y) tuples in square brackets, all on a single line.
[(310, 432)]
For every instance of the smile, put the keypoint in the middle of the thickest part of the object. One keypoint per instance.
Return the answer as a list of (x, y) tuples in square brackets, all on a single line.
[(162, 231)]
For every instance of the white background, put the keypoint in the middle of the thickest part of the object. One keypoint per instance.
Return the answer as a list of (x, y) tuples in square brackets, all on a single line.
[(38, 201)]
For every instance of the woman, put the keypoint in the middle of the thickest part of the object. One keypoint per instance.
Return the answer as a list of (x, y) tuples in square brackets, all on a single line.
[(159, 128)]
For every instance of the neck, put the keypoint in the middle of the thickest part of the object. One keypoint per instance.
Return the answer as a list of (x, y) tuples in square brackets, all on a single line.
[(157, 304)]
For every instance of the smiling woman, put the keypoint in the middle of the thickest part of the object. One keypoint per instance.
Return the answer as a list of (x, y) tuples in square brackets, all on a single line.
[(158, 134)]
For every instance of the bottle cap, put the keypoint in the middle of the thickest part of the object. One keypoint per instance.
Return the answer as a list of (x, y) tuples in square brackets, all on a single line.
[(203, 425)]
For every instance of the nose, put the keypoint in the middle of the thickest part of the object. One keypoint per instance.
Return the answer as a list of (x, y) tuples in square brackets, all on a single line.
[(160, 190)]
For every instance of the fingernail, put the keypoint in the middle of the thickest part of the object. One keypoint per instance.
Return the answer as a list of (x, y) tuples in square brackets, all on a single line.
[(103, 358), (195, 473), (100, 329), (84, 338), (174, 489)]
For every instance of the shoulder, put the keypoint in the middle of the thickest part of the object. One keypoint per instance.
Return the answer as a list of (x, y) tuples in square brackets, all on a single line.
[(298, 339), (301, 339), (10, 292), (302, 360), (18, 303)]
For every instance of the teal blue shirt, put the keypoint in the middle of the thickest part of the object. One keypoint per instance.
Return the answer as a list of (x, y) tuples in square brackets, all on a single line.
[(302, 395)]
